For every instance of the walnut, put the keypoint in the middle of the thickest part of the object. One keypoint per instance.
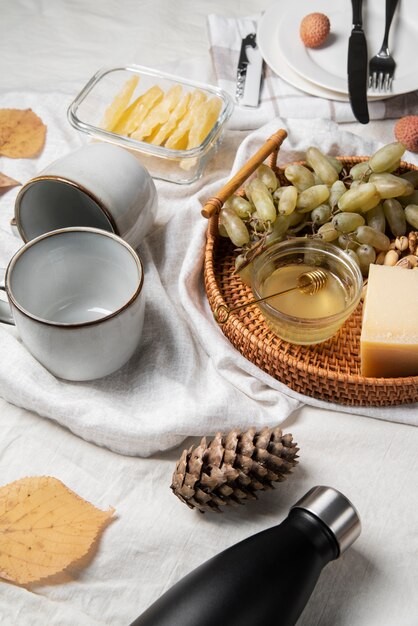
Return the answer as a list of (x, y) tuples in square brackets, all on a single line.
[(413, 242)]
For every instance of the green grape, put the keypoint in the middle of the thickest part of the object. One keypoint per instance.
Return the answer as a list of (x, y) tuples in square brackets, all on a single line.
[(391, 186), (411, 199), (375, 218), (412, 176), (361, 198), (288, 199), (368, 206), (366, 254), (258, 225), (360, 170), (295, 219), (366, 234), (336, 163), (269, 178), (395, 216), (385, 158), (280, 227), (411, 215), (235, 227), (336, 191), (247, 190), (321, 214), (321, 166), (327, 232), (299, 176), (221, 226), (346, 243), (278, 194), (353, 255), (312, 197), (394, 166), (262, 200), (242, 207), (347, 222)]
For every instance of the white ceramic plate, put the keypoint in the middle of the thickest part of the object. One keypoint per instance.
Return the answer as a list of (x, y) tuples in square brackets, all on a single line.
[(322, 71)]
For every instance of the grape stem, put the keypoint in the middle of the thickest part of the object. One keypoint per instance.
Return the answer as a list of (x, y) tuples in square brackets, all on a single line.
[(253, 251)]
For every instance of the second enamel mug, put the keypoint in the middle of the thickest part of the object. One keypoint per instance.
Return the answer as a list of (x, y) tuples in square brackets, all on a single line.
[(99, 185)]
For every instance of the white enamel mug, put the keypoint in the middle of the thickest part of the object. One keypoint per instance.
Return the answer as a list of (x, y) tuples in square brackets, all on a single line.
[(77, 302), (99, 185)]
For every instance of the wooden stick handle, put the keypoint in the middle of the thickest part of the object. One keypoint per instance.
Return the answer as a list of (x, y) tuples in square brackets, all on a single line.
[(271, 147)]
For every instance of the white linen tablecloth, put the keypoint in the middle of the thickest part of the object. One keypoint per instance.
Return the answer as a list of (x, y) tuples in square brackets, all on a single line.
[(47, 53), (185, 378)]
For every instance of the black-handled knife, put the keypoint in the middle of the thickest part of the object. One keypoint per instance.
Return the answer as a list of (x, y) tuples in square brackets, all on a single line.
[(357, 66), (243, 61)]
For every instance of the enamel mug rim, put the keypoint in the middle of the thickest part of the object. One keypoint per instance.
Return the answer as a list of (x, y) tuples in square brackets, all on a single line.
[(63, 231), (71, 183), (97, 185)]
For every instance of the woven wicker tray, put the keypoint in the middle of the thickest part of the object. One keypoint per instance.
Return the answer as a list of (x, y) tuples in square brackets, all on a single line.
[(328, 371)]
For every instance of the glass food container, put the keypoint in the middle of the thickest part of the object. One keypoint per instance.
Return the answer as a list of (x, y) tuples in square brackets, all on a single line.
[(87, 111)]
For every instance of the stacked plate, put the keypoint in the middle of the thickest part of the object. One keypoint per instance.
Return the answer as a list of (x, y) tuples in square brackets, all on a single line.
[(323, 71)]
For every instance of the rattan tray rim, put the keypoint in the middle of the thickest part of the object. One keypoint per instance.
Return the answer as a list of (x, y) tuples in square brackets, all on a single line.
[(235, 324)]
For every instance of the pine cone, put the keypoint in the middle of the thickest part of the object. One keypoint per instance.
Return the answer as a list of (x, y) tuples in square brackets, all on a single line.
[(232, 467)]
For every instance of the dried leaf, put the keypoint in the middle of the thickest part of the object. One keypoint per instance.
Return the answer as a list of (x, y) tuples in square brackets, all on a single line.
[(44, 527), (6, 181), (22, 133)]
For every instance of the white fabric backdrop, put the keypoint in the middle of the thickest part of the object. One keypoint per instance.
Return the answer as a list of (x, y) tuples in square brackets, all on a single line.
[(185, 378), (154, 540)]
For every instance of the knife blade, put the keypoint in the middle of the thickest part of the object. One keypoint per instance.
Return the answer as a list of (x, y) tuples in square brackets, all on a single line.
[(249, 72), (357, 66)]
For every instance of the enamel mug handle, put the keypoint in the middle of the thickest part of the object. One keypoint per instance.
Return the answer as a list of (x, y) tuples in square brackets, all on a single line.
[(5, 312)]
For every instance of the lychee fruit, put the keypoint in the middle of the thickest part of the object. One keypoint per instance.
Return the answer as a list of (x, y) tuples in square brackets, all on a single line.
[(314, 29), (406, 131)]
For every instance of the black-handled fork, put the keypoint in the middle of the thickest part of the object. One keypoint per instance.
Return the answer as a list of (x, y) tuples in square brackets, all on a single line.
[(382, 65)]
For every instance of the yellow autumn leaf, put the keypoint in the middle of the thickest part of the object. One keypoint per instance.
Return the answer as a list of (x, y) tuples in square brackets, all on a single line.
[(44, 527), (22, 133)]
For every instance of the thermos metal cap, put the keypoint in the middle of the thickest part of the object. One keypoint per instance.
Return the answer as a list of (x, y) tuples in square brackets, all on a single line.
[(335, 511)]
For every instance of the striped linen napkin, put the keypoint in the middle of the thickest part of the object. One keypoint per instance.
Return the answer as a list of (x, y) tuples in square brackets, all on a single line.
[(278, 98)]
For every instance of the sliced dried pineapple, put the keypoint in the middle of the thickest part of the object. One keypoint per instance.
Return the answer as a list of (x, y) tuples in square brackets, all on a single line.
[(204, 122), (118, 105), (161, 134), (159, 114), (179, 138), (136, 113)]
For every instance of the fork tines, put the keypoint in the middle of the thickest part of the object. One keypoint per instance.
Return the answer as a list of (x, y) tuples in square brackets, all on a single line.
[(382, 65), (379, 81)]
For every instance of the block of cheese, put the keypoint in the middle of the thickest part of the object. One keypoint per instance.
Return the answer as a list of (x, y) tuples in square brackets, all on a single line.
[(389, 334)]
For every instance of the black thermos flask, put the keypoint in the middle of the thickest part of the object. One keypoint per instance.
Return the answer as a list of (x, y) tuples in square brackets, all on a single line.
[(266, 579)]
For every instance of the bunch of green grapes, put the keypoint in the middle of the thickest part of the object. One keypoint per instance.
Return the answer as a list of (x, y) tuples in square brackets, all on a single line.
[(360, 209)]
